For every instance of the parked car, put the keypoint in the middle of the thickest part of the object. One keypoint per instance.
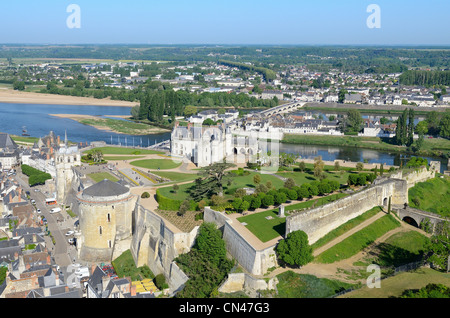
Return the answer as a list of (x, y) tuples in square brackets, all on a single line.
[(69, 233)]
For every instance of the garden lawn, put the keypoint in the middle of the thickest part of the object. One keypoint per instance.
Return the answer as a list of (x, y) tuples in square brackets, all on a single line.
[(119, 158), (176, 176), (124, 266), (163, 164), (266, 230), (181, 194), (246, 181), (100, 176), (124, 151), (308, 177), (358, 241), (263, 228), (432, 195)]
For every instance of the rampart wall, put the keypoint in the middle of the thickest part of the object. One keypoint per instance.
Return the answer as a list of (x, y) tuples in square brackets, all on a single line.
[(255, 261), (157, 243)]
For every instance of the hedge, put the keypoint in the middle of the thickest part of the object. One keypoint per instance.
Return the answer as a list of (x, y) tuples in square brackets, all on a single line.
[(35, 176), (167, 204)]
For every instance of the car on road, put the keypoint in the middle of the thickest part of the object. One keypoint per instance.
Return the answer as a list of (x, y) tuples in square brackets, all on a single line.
[(38, 211), (72, 241), (36, 190), (69, 233), (55, 210), (33, 201)]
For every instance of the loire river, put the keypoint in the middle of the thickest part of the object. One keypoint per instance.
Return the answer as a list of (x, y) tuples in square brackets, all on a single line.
[(39, 123)]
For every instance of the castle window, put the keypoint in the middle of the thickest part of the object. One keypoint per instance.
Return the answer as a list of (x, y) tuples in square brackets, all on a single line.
[(100, 230), (109, 217)]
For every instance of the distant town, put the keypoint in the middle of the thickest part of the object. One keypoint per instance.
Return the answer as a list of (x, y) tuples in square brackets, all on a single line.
[(273, 173)]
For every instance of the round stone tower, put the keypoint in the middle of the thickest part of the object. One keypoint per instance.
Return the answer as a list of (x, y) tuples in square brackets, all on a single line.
[(105, 215)]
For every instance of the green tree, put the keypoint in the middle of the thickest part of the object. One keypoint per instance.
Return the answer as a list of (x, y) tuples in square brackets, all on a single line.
[(210, 243), (359, 166), (267, 201), (445, 125), (354, 121), (295, 249), (257, 179), (302, 166), (318, 166), (438, 247), (289, 183)]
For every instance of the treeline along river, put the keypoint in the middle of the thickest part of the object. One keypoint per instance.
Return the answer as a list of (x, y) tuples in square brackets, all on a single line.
[(39, 123)]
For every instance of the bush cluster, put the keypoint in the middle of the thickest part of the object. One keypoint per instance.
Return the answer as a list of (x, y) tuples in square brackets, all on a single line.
[(35, 176)]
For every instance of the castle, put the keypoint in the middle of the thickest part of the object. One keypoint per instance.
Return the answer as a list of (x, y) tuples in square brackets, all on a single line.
[(205, 145)]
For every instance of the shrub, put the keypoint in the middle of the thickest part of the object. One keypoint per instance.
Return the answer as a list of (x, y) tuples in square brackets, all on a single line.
[(267, 201), (145, 195), (295, 249), (160, 282)]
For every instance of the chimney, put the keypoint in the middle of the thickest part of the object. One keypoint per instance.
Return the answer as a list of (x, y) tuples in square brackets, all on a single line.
[(133, 290), (59, 140), (48, 143), (51, 150), (48, 156)]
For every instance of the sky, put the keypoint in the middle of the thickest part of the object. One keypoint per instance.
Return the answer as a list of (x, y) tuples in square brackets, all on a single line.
[(294, 22)]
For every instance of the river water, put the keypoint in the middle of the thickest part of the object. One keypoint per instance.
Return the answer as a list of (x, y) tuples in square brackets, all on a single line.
[(39, 123)]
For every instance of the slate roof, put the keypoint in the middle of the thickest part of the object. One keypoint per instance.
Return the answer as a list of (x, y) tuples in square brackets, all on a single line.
[(7, 142), (106, 188)]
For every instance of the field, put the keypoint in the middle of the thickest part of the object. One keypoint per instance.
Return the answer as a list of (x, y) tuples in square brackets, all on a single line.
[(358, 241), (120, 126), (100, 176), (346, 227), (125, 151), (401, 248), (432, 196), (156, 164), (394, 286), (292, 285)]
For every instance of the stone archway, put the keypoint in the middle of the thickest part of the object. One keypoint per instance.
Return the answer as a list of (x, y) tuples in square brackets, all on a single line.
[(411, 221)]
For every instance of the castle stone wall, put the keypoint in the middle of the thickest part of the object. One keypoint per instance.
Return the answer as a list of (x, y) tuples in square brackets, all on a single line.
[(320, 221), (255, 261), (157, 243)]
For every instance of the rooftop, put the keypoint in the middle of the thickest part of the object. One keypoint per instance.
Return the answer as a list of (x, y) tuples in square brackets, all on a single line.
[(106, 188)]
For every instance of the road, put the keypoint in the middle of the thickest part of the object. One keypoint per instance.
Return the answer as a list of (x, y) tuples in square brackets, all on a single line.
[(62, 253)]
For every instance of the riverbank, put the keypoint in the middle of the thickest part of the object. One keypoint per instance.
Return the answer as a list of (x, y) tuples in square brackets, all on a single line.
[(114, 125), (16, 97), (435, 147)]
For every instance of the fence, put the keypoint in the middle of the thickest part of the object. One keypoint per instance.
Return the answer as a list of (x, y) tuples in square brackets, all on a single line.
[(400, 269)]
